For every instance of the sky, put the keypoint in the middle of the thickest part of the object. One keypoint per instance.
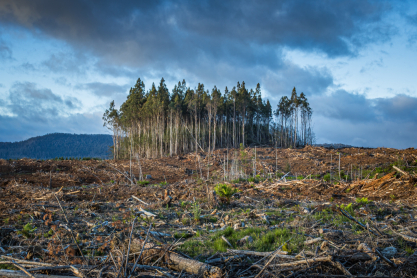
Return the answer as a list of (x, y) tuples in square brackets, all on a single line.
[(62, 62)]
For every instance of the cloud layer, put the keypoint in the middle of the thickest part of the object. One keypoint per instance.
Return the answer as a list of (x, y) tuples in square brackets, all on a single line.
[(104, 46)]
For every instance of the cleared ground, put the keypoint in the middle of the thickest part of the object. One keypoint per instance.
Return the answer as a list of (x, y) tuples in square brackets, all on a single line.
[(363, 223)]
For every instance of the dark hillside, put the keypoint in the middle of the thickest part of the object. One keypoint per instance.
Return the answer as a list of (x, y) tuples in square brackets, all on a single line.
[(58, 145)]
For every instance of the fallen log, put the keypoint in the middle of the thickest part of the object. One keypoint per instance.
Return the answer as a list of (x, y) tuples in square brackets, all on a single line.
[(399, 170), (255, 253), (312, 241), (175, 261), (21, 274), (308, 261)]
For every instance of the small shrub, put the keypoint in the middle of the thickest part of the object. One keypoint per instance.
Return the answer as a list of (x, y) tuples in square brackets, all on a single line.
[(163, 183), (183, 204), (409, 250), (225, 191), (362, 201), (348, 208), (143, 182), (326, 177), (196, 211), (27, 230)]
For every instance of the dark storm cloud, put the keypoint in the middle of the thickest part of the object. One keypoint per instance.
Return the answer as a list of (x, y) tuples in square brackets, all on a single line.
[(359, 121), (311, 81), (164, 33), (399, 108), (37, 104), (103, 89), (344, 106)]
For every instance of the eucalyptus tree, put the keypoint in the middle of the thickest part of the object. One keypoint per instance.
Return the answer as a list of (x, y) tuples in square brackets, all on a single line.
[(112, 121), (158, 122)]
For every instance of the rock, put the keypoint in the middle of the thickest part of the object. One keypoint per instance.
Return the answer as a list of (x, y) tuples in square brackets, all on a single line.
[(389, 252), (245, 240)]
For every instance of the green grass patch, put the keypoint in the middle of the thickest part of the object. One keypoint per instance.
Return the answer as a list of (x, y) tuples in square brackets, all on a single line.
[(143, 182), (264, 240)]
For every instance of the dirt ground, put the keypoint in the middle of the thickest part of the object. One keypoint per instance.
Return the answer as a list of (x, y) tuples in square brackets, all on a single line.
[(297, 218)]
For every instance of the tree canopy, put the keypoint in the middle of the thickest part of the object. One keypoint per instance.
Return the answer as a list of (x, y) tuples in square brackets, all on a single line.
[(158, 122)]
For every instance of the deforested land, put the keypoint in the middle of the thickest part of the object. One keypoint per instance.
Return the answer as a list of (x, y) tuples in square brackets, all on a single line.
[(241, 212)]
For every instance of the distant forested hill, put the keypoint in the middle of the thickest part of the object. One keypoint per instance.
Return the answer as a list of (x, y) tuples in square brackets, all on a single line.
[(58, 145)]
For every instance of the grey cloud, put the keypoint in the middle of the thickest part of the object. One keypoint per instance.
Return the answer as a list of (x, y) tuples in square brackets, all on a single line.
[(103, 89), (311, 81), (161, 32), (37, 104), (27, 67), (62, 81), (5, 51), (344, 106), (400, 107), (69, 62), (372, 65), (393, 134), (356, 120)]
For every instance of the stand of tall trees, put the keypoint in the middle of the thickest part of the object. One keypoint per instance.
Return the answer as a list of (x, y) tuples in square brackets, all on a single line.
[(158, 123)]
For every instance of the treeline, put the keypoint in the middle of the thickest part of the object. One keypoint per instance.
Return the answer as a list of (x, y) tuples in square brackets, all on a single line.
[(55, 145), (158, 122)]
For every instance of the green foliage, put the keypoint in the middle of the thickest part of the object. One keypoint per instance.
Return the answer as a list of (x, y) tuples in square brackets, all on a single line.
[(27, 230), (196, 211), (279, 175), (252, 179), (225, 191), (7, 266), (264, 240), (326, 177), (163, 183), (363, 201), (48, 234), (143, 182), (348, 208), (183, 204), (409, 250), (6, 221)]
